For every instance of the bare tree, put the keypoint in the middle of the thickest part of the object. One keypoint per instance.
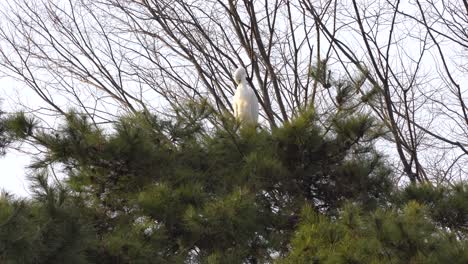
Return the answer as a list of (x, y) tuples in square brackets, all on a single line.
[(131, 55), (428, 128), (124, 50)]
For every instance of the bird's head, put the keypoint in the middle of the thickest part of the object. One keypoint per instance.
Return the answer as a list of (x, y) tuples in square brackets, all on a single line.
[(239, 75)]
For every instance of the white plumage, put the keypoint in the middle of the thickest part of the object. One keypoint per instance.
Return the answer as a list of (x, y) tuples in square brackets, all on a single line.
[(245, 102)]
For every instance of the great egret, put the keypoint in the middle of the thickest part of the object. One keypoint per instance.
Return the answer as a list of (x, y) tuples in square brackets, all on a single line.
[(245, 102)]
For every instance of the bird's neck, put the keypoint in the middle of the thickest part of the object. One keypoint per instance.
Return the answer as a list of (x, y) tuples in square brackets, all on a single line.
[(243, 84)]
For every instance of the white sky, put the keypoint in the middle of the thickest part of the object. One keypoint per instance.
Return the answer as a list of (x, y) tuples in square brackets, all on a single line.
[(13, 165), (12, 177)]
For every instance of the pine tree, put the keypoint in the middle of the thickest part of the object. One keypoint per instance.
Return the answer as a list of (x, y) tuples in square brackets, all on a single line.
[(152, 190), (3, 134), (396, 235), (172, 190), (50, 228)]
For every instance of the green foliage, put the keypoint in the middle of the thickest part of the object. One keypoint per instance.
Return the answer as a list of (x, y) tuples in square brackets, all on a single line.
[(226, 194), (447, 205), (321, 74), (19, 125), (5, 140), (51, 228), (424, 224), (385, 236), (174, 191), (16, 232)]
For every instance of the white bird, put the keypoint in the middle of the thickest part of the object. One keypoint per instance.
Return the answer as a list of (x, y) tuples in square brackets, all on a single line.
[(245, 102)]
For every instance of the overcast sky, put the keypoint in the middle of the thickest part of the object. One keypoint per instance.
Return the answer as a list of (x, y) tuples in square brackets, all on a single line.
[(12, 166), (13, 173)]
